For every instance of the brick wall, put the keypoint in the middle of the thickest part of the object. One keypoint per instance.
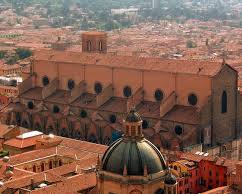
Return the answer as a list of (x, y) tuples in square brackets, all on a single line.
[(224, 124)]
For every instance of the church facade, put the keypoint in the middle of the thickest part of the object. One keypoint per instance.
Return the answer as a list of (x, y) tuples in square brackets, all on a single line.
[(84, 95)]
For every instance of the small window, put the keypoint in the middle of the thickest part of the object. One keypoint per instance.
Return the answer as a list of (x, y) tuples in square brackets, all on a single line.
[(192, 99), (100, 46), (34, 168), (127, 91), (83, 114), (45, 81), (56, 109), (178, 130), (89, 45), (50, 164), (98, 88), (224, 102), (112, 118), (145, 124), (71, 84), (42, 167), (30, 105), (210, 173), (159, 95)]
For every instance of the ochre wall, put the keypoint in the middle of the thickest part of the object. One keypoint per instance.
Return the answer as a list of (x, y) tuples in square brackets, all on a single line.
[(182, 84)]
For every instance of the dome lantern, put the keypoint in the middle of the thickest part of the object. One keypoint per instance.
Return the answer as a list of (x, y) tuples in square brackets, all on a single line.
[(133, 124)]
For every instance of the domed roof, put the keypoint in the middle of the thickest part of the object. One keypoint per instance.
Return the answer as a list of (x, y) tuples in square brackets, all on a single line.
[(170, 179), (134, 155), (133, 116)]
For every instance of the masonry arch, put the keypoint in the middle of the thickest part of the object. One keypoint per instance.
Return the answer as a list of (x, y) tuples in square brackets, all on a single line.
[(136, 191), (92, 138)]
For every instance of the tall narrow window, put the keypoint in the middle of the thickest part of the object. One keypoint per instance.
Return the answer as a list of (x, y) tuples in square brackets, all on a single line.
[(42, 167), (89, 45), (224, 102), (50, 164), (100, 45), (34, 168)]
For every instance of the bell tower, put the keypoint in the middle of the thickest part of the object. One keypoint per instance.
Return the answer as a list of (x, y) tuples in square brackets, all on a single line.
[(94, 42)]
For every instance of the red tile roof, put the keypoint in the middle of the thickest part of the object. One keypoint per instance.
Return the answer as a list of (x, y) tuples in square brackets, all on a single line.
[(197, 67), (22, 143), (183, 114)]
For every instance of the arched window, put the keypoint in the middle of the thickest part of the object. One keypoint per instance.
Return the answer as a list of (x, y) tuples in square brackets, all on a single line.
[(83, 114), (159, 95), (50, 164), (71, 84), (42, 167), (178, 130), (192, 99), (100, 46), (145, 124), (89, 45), (45, 81), (160, 191), (224, 102), (98, 87), (127, 91), (92, 138), (56, 109), (135, 192), (112, 118), (30, 105), (60, 163), (34, 168)]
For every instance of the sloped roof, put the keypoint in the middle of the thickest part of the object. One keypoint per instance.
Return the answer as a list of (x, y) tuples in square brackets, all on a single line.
[(197, 67)]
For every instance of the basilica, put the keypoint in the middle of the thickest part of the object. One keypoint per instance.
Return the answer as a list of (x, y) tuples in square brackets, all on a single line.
[(85, 95)]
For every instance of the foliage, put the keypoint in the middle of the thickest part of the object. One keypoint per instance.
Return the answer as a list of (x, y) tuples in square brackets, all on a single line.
[(23, 53), (191, 44), (2, 54), (4, 153)]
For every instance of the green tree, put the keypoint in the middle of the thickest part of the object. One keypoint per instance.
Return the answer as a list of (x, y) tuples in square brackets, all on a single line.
[(191, 44), (23, 53), (2, 54)]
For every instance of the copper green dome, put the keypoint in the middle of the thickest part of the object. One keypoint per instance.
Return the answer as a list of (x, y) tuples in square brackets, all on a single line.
[(133, 116), (135, 155)]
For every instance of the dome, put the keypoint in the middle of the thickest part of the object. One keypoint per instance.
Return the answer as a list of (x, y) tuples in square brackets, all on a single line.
[(170, 179), (134, 155), (133, 116)]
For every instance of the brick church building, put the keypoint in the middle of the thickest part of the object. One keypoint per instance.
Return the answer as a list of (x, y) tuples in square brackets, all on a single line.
[(85, 95)]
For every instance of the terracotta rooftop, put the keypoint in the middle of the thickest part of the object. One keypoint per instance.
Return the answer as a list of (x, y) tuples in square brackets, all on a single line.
[(22, 143), (34, 93), (87, 100), (183, 114), (149, 109), (197, 67), (114, 102), (94, 33), (4, 129), (60, 96)]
